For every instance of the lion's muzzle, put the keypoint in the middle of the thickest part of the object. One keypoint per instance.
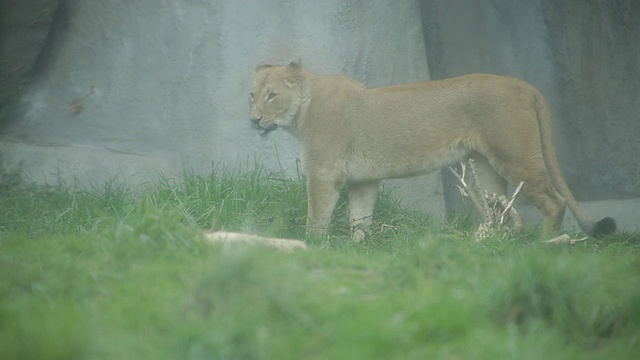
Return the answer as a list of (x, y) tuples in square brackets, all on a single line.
[(256, 121), (262, 131)]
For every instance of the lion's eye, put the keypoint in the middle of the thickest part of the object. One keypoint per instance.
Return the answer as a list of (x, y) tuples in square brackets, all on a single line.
[(271, 97), (250, 97)]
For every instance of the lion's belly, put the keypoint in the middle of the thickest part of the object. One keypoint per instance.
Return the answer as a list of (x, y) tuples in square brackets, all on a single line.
[(377, 166)]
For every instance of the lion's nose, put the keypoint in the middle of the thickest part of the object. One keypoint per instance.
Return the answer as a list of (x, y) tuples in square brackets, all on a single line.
[(256, 121)]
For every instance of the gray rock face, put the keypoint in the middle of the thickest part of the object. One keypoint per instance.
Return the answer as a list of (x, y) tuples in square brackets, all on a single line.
[(583, 55), (24, 28), (596, 62), (153, 76)]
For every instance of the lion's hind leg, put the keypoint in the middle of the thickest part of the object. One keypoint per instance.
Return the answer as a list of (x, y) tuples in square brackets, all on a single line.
[(537, 188), (550, 203)]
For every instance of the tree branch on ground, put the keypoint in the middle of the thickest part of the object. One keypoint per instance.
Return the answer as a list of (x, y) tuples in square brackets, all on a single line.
[(499, 217)]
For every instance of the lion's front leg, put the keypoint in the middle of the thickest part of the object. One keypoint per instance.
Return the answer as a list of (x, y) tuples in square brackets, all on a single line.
[(362, 198), (323, 188)]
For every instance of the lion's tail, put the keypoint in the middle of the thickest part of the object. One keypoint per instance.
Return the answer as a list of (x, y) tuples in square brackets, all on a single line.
[(587, 224)]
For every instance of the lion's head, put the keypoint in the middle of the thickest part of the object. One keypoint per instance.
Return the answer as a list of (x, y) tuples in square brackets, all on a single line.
[(275, 97)]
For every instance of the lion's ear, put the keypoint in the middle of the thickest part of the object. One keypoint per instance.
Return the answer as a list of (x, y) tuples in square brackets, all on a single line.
[(295, 73), (296, 65)]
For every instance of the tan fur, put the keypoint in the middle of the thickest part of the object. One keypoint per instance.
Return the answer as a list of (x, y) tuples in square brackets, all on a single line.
[(353, 135)]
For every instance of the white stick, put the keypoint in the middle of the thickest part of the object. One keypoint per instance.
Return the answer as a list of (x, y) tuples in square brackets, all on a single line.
[(226, 237)]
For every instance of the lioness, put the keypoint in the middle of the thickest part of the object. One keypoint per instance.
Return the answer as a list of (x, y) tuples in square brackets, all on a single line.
[(353, 135)]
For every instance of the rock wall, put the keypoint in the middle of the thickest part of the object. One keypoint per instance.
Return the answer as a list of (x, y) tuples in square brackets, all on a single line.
[(584, 56), (128, 89), (596, 62), (24, 29)]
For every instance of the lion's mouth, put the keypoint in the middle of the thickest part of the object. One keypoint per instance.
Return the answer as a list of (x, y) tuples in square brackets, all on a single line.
[(264, 131)]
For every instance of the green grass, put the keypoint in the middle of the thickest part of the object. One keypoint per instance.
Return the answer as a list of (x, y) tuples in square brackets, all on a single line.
[(119, 273)]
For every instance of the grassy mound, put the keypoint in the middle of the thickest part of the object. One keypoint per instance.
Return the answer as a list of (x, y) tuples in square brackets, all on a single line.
[(120, 273)]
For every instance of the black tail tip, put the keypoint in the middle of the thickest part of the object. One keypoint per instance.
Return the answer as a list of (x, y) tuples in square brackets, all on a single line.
[(604, 227)]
